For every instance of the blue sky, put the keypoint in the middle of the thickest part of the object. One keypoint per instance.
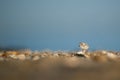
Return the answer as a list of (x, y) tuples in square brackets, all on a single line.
[(60, 24)]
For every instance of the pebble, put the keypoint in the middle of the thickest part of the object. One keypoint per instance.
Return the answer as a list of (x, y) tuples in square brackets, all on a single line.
[(35, 58), (21, 57)]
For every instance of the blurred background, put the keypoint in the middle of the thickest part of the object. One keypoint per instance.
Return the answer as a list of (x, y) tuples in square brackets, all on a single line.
[(59, 24)]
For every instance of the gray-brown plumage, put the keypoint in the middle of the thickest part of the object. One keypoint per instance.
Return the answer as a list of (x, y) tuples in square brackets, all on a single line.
[(83, 46)]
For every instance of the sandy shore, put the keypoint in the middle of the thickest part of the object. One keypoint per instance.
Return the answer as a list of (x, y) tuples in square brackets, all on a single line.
[(59, 66)]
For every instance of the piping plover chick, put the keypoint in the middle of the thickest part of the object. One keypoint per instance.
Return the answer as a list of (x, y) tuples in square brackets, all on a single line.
[(84, 47), (83, 52)]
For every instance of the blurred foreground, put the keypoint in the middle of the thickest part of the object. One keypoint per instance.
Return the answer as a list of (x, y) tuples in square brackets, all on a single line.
[(59, 65)]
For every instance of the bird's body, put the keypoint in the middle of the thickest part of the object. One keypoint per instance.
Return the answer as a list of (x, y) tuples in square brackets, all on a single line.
[(84, 50), (84, 47)]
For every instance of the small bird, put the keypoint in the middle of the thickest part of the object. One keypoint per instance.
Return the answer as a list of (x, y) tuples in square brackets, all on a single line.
[(83, 46)]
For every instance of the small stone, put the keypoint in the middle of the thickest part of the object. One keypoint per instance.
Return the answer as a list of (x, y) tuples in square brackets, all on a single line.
[(55, 55), (35, 58), (111, 55), (1, 59), (21, 57), (13, 56)]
